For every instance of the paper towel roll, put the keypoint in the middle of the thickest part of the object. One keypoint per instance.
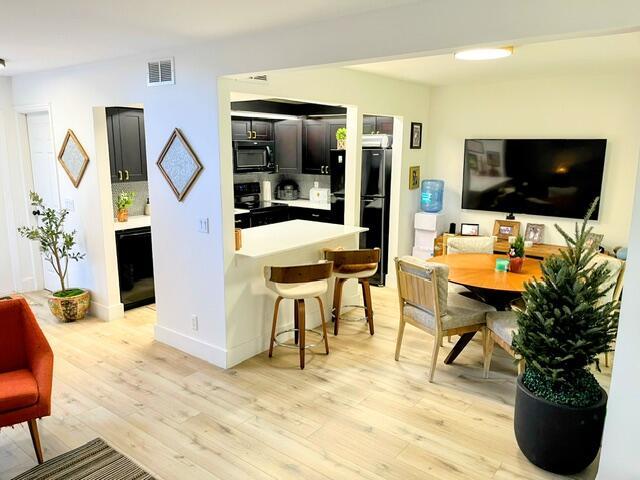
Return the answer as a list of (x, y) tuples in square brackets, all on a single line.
[(266, 191)]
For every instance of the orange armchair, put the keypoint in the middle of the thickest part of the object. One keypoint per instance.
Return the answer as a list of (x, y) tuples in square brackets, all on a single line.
[(26, 369)]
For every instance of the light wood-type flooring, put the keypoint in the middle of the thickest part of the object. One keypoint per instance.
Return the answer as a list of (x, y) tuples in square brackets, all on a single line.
[(353, 414)]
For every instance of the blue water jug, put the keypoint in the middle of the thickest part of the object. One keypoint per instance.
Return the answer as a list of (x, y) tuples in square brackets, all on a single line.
[(432, 192)]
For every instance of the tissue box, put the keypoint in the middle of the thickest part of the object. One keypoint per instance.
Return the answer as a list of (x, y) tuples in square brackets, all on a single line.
[(319, 195)]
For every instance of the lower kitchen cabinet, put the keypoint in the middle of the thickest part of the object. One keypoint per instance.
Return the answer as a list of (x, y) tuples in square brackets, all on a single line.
[(315, 215), (242, 220)]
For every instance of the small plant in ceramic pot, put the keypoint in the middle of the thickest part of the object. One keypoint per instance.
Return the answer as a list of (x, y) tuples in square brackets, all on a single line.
[(341, 138), (516, 255), (57, 248), (565, 325), (123, 203)]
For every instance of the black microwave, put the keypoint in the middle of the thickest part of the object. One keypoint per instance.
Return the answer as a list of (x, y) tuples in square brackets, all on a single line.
[(253, 156)]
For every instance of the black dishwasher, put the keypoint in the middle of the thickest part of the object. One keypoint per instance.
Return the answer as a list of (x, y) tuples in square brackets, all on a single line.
[(135, 267)]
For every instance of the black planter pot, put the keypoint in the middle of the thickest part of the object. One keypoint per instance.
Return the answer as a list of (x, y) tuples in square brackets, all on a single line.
[(558, 438)]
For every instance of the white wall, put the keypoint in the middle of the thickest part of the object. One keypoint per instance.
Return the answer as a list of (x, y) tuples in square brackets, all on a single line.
[(6, 266), (363, 94), (619, 456), (580, 105)]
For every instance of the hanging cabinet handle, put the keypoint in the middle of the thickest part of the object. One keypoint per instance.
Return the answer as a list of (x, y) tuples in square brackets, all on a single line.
[(126, 174), (249, 134), (255, 135), (120, 175)]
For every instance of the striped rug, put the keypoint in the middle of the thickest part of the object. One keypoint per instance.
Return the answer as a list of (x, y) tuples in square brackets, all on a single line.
[(94, 461)]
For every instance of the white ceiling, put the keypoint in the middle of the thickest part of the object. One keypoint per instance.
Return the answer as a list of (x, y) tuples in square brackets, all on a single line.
[(45, 34), (592, 53)]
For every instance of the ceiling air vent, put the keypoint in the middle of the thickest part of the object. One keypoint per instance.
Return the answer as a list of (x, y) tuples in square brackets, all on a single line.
[(160, 72)]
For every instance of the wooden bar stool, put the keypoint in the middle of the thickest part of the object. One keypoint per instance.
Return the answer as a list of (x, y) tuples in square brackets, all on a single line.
[(357, 264), (298, 283)]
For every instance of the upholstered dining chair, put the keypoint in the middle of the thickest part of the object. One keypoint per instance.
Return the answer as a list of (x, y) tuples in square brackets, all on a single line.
[(426, 304), (26, 369), (501, 326), (469, 245)]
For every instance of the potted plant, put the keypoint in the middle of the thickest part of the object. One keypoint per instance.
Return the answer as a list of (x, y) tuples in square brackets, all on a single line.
[(57, 247), (123, 202), (341, 138), (516, 255), (565, 324)]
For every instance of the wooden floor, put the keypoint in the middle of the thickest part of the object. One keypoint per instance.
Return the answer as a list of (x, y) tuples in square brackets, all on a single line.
[(353, 414)]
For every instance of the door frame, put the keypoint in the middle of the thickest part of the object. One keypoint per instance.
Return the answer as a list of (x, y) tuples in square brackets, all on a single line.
[(26, 173)]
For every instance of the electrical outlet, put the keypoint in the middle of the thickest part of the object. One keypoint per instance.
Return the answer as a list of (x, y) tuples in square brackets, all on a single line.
[(194, 322), (203, 225), (69, 204)]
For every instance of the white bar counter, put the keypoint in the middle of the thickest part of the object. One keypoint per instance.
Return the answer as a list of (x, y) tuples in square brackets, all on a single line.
[(135, 221), (282, 237), (250, 303)]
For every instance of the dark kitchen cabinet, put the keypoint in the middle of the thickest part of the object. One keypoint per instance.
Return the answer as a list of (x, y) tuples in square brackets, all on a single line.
[(313, 214), (251, 129), (127, 149), (242, 220), (288, 146), (316, 153), (377, 124)]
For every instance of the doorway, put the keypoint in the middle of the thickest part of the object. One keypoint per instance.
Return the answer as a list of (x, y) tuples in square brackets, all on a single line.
[(43, 176)]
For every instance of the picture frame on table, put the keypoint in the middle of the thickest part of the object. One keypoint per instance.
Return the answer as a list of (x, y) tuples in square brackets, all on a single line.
[(416, 135), (470, 229), (503, 229), (594, 239), (534, 233)]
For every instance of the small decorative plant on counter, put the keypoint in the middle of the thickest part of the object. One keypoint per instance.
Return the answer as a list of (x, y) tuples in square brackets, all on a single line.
[(341, 138), (124, 201), (565, 325), (516, 255), (57, 248)]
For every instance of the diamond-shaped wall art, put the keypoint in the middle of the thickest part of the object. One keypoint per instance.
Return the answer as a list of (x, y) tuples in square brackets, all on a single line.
[(179, 164), (73, 158)]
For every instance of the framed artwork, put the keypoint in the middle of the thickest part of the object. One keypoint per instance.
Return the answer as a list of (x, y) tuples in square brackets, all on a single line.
[(493, 159), (594, 239), (73, 158), (179, 164), (416, 135), (534, 233), (503, 229), (470, 229), (414, 177)]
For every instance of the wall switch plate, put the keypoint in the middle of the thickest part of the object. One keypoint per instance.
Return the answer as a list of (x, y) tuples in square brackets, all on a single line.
[(194, 323), (69, 204), (203, 225)]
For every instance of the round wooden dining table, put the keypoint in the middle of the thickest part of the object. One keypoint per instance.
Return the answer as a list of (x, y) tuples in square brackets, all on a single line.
[(477, 271)]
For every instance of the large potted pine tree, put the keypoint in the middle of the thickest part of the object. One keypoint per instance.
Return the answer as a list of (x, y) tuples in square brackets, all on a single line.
[(563, 328)]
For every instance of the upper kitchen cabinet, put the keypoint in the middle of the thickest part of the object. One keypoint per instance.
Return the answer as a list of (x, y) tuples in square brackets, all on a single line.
[(377, 124), (251, 129), (127, 149), (288, 146), (316, 152)]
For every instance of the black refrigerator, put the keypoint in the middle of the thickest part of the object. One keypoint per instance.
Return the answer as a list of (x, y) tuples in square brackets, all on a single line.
[(375, 193)]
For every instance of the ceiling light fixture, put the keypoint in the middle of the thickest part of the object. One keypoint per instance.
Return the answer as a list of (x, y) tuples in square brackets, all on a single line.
[(483, 53), (2, 63)]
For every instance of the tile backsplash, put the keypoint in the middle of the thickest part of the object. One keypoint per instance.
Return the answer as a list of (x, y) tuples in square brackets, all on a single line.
[(141, 190), (304, 181)]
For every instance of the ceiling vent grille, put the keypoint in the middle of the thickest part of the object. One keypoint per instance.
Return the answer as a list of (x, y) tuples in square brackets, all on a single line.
[(160, 72)]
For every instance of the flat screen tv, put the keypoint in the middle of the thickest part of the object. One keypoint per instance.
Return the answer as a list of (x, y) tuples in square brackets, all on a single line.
[(555, 178)]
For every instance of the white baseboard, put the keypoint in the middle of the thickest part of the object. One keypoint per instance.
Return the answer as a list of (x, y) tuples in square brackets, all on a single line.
[(107, 312), (259, 344), (203, 350)]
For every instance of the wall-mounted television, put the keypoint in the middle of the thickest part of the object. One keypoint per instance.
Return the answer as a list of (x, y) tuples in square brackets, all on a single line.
[(550, 177)]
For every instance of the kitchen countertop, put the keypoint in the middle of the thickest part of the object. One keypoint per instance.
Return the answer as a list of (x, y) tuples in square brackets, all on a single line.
[(305, 203), (135, 221), (285, 236), (240, 211)]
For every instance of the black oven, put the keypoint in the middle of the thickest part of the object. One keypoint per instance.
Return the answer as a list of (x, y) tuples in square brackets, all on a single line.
[(253, 156)]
